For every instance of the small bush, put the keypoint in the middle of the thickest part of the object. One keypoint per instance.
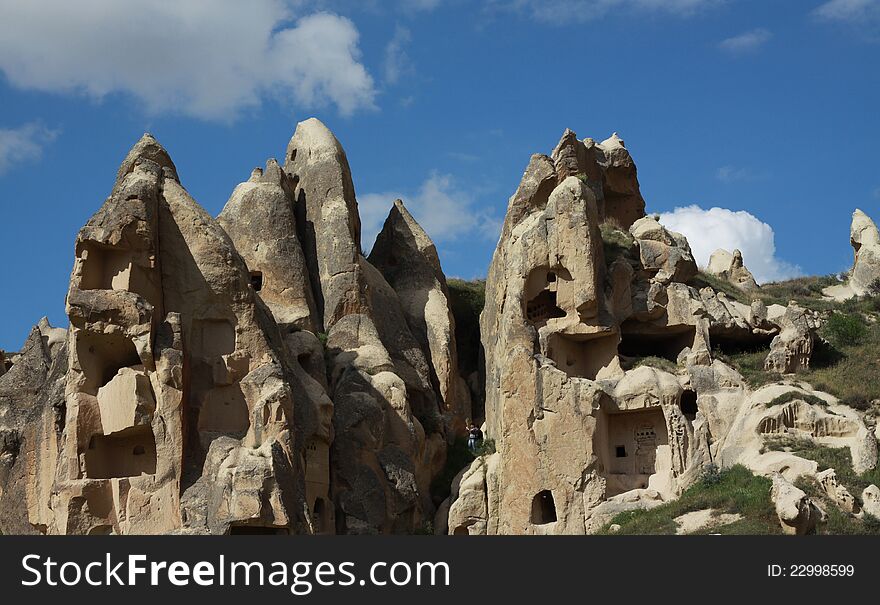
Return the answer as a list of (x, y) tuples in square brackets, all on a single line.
[(844, 329), (486, 448), (794, 396), (616, 242), (711, 475), (660, 363), (857, 402)]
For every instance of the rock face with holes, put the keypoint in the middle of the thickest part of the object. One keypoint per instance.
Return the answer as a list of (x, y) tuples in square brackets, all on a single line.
[(175, 366), (602, 394), (573, 428), (259, 217), (386, 350), (213, 369), (730, 266)]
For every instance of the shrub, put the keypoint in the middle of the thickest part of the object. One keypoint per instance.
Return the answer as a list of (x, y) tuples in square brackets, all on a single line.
[(845, 329), (616, 242), (710, 475), (794, 396), (660, 363), (857, 402), (486, 448)]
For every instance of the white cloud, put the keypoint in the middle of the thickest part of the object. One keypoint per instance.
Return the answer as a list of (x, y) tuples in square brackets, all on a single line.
[(848, 10), (204, 59), (24, 143), (443, 210), (568, 11), (746, 42), (708, 230), (397, 62)]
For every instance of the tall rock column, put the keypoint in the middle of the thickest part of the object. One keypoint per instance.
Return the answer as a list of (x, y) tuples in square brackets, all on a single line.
[(407, 258), (388, 438), (179, 410)]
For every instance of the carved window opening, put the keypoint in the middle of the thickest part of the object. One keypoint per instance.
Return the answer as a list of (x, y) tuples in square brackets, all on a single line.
[(665, 343), (688, 405), (582, 357), (543, 307), (127, 453), (101, 356), (543, 508), (257, 280), (641, 436)]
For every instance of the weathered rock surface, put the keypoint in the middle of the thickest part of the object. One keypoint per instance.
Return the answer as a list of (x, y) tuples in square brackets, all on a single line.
[(798, 514), (871, 501), (664, 253), (582, 431), (32, 416), (389, 438), (259, 217), (792, 348), (408, 260), (837, 492), (730, 267), (865, 240), (257, 374), (610, 172)]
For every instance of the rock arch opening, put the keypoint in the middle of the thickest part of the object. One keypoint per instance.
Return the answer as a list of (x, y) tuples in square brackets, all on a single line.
[(127, 453), (688, 404), (257, 280), (543, 508), (542, 294), (666, 343), (580, 355)]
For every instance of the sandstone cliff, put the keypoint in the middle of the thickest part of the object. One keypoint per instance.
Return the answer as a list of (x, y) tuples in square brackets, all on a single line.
[(256, 374)]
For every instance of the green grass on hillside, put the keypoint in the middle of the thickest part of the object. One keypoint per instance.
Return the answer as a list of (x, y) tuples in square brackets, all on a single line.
[(733, 490), (839, 522), (826, 457)]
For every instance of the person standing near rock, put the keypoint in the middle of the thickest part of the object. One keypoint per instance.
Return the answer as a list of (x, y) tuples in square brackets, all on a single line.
[(475, 437)]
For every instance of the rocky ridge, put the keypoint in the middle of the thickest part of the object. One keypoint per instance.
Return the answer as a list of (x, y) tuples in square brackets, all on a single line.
[(256, 373)]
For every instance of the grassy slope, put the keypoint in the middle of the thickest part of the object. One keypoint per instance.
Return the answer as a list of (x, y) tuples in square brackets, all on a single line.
[(733, 490)]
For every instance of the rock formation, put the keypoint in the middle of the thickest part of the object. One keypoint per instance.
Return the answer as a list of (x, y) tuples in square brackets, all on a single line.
[(212, 366), (798, 514), (408, 260), (730, 267), (389, 439), (865, 241), (256, 374), (863, 278), (586, 425)]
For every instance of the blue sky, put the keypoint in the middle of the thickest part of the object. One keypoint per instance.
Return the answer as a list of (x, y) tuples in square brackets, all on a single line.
[(764, 110)]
